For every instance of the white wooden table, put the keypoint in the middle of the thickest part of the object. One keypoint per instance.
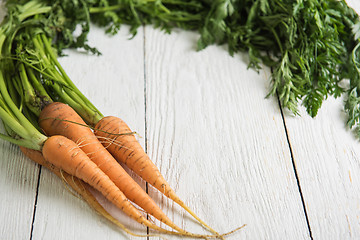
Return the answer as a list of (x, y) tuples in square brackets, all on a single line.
[(232, 155)]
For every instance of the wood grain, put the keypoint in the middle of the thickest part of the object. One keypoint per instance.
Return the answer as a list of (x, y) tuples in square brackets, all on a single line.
[(327, 161), (326, 156), (225, 149), (18, 182), (218, 141), (114, 83)]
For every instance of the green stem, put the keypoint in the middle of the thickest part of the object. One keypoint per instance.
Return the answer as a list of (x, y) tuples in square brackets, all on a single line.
[(40, 90), (28, 92), (8, 101), (89, 108), (105, 9), (45, 60), (20, 142), (93, 10), (19, 129), (84, 111), (277, 40), (67, 79), (33, 119), (32, 8), (70, 97), (20, 124), (10, 81), (64, 96), (6, 108)]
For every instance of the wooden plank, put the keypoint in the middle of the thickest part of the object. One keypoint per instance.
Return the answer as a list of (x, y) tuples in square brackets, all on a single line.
[(114, 83), (354, 4), (18, 182), (219, 143), (327, 161)]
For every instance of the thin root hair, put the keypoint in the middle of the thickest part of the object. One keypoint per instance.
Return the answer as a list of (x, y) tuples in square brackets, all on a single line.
[(93, 128)]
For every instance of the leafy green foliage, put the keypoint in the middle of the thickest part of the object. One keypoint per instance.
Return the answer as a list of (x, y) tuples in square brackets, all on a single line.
[(311, 46)]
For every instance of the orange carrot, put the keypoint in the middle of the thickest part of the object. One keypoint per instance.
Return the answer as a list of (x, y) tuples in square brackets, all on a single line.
[(59, 151), (118, 140), (37, 157), (78, 185), (54, 120), (66, 154)]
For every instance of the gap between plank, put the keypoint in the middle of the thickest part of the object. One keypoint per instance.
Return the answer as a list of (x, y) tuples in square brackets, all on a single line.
[(35, 203), (294, 168), (145, 115)]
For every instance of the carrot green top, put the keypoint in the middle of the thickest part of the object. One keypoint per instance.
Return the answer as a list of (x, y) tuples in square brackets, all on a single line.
[(19, 129), (312, 46)]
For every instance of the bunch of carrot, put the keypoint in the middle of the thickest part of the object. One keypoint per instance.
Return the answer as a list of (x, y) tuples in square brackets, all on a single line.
[(57, 126)]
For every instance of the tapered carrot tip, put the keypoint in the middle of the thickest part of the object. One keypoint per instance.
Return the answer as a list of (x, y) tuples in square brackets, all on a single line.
[(59, 118), (79, 186), (118, 139), (66, 155)]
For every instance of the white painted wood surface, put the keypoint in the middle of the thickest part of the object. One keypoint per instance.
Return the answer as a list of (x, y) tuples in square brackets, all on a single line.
[(119, 90), (212, 146), (227, 151)]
